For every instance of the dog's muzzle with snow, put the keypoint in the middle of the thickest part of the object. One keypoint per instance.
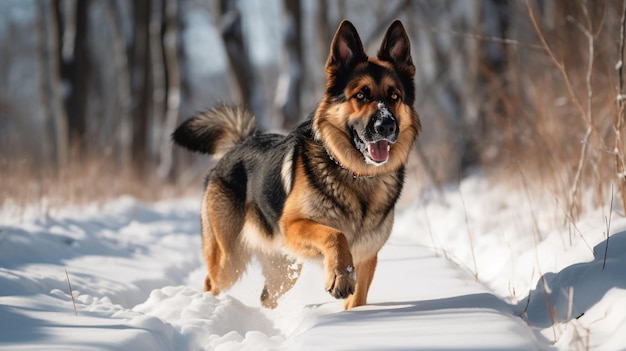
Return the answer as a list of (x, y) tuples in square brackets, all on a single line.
[(380, 132)]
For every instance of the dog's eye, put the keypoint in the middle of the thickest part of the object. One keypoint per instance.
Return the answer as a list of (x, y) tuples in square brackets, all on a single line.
[(394, 97), (361, 96)]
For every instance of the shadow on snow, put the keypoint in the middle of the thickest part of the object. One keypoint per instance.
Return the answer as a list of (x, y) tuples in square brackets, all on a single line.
[(585, 284)]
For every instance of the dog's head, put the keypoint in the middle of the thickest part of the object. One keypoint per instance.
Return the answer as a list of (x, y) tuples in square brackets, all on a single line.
[(366, 120)]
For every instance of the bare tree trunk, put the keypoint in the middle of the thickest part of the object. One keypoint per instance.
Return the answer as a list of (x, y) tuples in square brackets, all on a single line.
[(140, 66), (62, 122), (125, 127), (156, 107), (53, 103), (173, 87), (324, 32), (78, 75), (289, 87), (235, 49)]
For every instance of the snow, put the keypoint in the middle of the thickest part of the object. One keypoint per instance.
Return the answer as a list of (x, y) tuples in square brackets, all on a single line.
[(455, 274)]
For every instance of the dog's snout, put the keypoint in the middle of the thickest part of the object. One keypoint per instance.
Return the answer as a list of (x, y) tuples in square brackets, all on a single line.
[(386, 127), (384, 122)]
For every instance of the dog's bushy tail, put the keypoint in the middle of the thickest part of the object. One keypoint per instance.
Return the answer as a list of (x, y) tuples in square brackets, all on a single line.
[(217, 130)]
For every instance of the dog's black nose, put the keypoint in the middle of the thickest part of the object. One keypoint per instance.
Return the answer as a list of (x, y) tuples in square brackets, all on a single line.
[(385, 127)]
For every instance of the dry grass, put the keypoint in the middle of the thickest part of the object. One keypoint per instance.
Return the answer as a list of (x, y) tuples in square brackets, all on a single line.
[(560, 130), (92, 180), (550, 113)]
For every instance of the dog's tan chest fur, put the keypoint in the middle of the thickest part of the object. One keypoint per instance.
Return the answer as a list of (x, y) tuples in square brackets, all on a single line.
[(359, 207)]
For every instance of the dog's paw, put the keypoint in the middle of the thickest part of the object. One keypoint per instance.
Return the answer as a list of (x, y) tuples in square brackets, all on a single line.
[(340, 283), (268, 300)]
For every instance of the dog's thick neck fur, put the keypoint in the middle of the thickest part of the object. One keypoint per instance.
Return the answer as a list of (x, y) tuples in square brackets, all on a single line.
[(330, 156)]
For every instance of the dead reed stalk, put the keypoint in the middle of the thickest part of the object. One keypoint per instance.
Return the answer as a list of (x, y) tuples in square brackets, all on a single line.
[(469, 235), (71, 292), (619, 117)]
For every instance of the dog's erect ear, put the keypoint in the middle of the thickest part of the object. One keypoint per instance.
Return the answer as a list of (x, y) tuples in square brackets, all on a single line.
[(396, 47), (346, 49)]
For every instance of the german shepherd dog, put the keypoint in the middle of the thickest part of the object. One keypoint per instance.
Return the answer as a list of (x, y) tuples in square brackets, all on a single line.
[(326, 191)]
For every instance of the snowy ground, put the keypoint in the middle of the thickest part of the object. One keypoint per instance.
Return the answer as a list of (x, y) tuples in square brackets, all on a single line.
[(136, 275)]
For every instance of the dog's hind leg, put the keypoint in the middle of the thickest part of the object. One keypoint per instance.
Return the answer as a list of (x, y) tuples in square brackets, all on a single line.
[(364, 276), (222, 221), (281, 273)]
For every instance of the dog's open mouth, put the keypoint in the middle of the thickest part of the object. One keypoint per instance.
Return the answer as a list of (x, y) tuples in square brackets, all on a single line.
[(378, 151), (375, 152)]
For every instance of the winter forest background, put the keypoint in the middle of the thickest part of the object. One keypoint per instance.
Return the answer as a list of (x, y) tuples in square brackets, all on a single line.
[(529, 92)]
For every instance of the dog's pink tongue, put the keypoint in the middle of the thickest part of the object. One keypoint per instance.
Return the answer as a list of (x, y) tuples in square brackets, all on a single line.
[(379, 151)]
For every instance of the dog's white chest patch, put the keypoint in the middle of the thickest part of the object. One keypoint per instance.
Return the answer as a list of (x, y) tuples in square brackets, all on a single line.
[(286, 171)]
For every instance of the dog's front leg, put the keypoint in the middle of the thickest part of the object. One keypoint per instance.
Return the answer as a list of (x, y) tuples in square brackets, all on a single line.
[(309, 239), (364, 275)]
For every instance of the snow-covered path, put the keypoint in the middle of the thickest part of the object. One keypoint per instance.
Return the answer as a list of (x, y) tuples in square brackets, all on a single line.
[(136, 274), (420, 301)]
